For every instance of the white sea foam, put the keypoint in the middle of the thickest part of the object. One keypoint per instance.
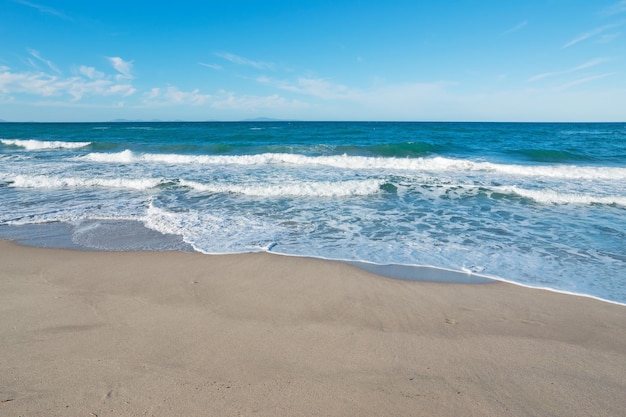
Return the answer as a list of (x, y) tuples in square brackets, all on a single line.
[(545, 224), (218, 232), (34, 145), (120, 157), (547, 196), (42, 181), (570, 172), (299, 189), (436, 164)]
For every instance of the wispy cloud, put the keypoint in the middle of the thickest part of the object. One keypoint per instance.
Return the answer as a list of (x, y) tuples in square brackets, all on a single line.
[(515, 28), (45, 85), (251, 103), (617, 8), (609, 37), (593, 33), (174, 96), (588, 64), (221, 100), (49, 63), (86, 82), (44, 9), (212, 66), (239, 60), (123, 67), (29, 83), (78, 88), (584, 80), (90, 72), (316, 87)]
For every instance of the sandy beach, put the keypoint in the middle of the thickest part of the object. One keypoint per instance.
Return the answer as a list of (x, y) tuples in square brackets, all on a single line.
[(184, 334)]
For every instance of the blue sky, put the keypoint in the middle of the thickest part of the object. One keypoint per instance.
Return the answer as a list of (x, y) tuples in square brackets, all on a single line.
[(550, 60)]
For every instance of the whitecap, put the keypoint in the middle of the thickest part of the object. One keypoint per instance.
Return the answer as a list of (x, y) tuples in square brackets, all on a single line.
[(431, 165), (34, 145), (548, 196), (298, 189), (44, 181)]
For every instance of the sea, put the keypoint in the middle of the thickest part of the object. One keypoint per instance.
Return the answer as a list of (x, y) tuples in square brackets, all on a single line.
[(537, 204)]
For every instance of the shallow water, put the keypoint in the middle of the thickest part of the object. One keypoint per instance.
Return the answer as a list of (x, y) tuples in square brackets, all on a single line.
[(538, 204)]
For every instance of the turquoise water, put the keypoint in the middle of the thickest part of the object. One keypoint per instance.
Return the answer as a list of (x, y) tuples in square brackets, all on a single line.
[(538, 204)]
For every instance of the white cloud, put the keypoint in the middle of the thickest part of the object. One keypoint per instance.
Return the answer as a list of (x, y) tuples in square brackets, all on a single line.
[(154, 93), (92, 83), (123, 67), (584, 80), (222, 100), (247, 103), (44, 9), (334, 101), (90, 72), (239, 60), (407, 101), (124, 90), (49, 63), (440, 101), (544, 75), (609, 37), (212, 66), (79, 88), (5, 99), (174, 96), (592, 33), (316, 87), (515, 28), (29, 83), (588, 64), (617, 8)]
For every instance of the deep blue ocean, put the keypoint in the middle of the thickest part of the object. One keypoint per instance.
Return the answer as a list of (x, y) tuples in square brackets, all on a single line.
[(538, 204)]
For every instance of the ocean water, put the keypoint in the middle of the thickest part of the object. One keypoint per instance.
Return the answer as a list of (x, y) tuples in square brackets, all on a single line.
[(542, 205)]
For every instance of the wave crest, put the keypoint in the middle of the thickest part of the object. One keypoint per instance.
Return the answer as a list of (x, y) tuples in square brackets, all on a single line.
[(433, 165), (555, 197), (294, 189), (42, 181), (36, 145)]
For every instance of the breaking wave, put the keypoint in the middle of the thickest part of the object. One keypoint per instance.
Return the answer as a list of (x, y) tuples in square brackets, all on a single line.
[(36, 145), (435, 164)]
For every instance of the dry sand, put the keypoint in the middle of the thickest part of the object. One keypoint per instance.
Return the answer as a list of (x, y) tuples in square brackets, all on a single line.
[(181, 334)]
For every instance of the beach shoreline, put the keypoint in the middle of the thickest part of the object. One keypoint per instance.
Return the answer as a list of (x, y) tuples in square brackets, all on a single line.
[(133, 235), (175, 333), (519, 209)]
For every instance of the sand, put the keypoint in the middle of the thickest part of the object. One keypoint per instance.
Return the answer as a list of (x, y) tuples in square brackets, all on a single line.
[(184, 334)]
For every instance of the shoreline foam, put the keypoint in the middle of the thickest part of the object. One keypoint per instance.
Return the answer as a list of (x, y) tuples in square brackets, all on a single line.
[(151, 240)]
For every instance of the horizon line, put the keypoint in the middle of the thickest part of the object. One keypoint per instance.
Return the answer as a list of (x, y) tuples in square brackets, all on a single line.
[(271, 120)]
